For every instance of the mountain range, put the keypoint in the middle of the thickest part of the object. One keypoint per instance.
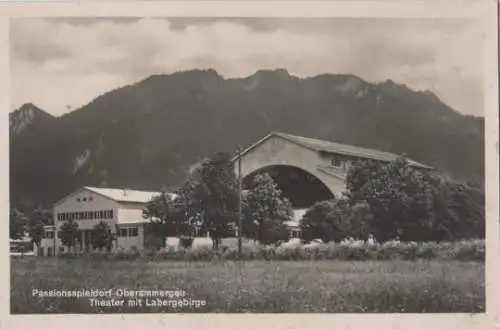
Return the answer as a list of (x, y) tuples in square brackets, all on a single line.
[(150, 134)]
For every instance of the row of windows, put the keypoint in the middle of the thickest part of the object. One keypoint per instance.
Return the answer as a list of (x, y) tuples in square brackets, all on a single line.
[(344, 162), (341, 162), (48, 235), (85, 215), (129, 231), (123, 232), (85, 199)]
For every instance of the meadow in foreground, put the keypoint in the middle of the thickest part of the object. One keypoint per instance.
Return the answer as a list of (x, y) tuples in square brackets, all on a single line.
[(257, 286)]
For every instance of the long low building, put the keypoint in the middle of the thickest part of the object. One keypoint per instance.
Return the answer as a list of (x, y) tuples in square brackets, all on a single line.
[(121, 209)]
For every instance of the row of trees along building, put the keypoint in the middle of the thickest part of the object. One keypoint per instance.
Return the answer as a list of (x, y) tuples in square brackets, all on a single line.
[(388, 201), (385, 200)]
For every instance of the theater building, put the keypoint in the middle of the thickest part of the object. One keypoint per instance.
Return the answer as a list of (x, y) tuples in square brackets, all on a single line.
[(121, 209), (306, 170)]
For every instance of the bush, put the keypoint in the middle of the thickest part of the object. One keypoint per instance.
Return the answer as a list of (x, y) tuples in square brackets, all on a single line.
[(186, 242), (467, 250), (130, 254)]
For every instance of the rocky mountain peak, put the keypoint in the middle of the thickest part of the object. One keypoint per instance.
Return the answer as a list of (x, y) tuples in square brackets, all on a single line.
[(25, 116)]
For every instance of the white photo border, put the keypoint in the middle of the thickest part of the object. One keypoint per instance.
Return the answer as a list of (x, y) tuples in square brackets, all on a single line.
[(486, 10)]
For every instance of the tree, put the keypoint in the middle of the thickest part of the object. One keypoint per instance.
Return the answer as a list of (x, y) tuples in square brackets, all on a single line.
[(466, 209), (18, 224), (69, 233), (154, 234), (189, 210), (335, 220), (101, 236), (273, 231), (211, 197), (36, 223), (324, 221), (356, 221), (265, 210), (407, 203), (164, 217), (159, 207)]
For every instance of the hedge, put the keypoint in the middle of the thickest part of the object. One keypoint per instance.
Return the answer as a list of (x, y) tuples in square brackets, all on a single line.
[(467, 250)]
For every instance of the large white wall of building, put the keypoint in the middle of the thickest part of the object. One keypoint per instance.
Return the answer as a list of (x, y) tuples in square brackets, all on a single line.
[(93, 202), (279, 151), (84, 201)]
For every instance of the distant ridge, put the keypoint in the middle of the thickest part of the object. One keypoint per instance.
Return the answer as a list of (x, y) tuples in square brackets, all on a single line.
[(149, 134)]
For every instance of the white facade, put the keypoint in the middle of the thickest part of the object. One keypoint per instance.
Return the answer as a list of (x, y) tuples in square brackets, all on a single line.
[(327, 161), (121, 209), (274, 150)]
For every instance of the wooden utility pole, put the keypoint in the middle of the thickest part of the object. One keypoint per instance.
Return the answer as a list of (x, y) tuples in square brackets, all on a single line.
[(240, 215)]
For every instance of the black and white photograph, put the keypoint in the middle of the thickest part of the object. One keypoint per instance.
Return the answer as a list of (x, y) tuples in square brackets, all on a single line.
[(225, 164)]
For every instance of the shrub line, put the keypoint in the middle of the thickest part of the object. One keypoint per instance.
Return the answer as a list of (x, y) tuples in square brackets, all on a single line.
[(467, 250)]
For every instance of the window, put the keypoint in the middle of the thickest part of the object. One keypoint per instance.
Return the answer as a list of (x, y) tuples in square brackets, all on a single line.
[(123, 232), (200, 232), (84, 199), (91, 215), (336, 161), (133, 231), (91, 198), (80, 215)]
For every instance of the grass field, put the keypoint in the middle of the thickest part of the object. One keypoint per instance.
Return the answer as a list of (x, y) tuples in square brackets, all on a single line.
[(256, 286)]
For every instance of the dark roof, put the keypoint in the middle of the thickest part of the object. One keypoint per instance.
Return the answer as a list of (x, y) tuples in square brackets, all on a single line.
[(119, 195), (337, 148)]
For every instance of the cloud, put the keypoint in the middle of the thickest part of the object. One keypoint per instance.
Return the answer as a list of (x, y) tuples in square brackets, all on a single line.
[(56, 62)]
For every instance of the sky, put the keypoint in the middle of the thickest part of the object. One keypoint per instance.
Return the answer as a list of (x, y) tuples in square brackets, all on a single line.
[(62, 64)]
